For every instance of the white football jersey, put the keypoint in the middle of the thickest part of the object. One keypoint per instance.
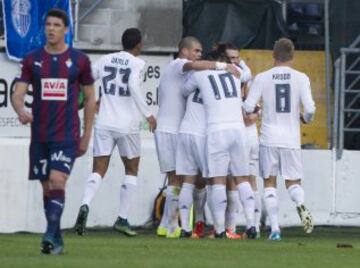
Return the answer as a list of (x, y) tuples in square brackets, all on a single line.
[(194, 121), (282, 90), (171, 100), (221, 95), (122, 103)]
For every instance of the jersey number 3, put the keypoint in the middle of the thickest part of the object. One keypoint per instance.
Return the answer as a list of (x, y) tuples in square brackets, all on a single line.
[(109, 81)]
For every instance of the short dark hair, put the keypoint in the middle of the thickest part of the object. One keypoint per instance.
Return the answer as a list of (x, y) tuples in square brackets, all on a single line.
[(217, 55), (58, 13), (283, 50), (225, 46), (130, 38), (187, 42)]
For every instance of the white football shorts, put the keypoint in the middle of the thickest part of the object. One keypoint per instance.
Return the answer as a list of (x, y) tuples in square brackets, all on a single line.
[(190, 155), (285, 162), (166, 144), (129, 145), (227, 153)]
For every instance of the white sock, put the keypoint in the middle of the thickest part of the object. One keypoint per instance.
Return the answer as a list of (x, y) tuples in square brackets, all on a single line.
[(248, 202), (185, 203), (271, 205), (232, 210), (219, 202), (126, 194), (199, 204), (209, 200), (91, 187), (257, 210), (164, 218), (296, 193), (172, 197)]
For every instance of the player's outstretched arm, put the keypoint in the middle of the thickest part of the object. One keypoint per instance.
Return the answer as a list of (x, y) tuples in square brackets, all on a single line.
[(89, 113), (18, 102), (202, 65)]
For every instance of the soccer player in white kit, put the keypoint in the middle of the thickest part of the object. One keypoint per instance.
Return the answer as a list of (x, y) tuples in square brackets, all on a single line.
[(226, 150), (121, 109), (233, 206), (283, 90), (170, 114), (191, 162)]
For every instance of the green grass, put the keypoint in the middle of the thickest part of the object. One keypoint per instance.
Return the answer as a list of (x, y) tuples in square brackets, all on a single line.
[(109, 249)]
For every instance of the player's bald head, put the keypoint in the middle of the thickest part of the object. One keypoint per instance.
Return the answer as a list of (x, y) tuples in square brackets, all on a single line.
[(188, 42), (190, 48)]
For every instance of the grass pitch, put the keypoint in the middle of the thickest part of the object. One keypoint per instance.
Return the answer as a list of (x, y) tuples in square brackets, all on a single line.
[(326, 247)]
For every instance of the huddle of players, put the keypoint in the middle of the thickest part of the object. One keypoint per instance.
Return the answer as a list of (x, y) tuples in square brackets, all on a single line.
[(206, 135), (200, 133)]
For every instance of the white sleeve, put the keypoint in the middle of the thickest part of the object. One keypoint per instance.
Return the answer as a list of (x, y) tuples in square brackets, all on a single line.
[(189, 86), (253, 96), (135, 91), (96, 69), (246, 72), (180, 66), (306, 98)]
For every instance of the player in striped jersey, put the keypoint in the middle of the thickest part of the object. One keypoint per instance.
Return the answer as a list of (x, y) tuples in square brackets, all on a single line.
[(55, 73)]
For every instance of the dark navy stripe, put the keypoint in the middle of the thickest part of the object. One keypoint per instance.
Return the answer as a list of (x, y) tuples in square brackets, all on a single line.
[(53, 110), (36, 96), (69, 109)]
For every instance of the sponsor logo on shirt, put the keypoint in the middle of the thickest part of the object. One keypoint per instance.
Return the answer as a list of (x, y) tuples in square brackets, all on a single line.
[(54, 89)]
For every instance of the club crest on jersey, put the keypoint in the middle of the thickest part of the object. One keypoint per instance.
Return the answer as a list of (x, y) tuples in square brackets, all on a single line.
[(54, 89), (20, 16), (68, 63)]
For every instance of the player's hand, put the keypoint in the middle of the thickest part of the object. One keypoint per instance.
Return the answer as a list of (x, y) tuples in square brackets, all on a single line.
[(250, 119), (257, 109), (25, 117), (83, 145), (233, 70), (302, 119), (152, 123)]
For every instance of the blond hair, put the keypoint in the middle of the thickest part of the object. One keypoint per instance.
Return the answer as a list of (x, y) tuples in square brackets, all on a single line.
[(283, 50)]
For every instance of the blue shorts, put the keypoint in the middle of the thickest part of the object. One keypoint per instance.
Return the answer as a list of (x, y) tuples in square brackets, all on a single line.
[(46, 156)]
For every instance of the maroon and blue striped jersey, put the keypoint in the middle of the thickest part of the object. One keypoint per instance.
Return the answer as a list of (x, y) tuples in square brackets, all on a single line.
[(56, 80)]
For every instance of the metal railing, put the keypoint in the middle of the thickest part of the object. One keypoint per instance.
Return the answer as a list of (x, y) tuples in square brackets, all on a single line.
[(346, 95)]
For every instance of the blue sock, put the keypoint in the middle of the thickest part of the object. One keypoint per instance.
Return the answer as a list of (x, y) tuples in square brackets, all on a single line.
[(53, 212), (46, 203)]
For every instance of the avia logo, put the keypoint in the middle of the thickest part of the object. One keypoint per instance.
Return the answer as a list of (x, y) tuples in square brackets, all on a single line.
[(59, 156), (56, 85), (54, 89)]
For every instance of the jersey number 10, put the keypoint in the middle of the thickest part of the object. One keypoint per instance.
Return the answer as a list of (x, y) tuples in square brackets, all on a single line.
[(227, 84)]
